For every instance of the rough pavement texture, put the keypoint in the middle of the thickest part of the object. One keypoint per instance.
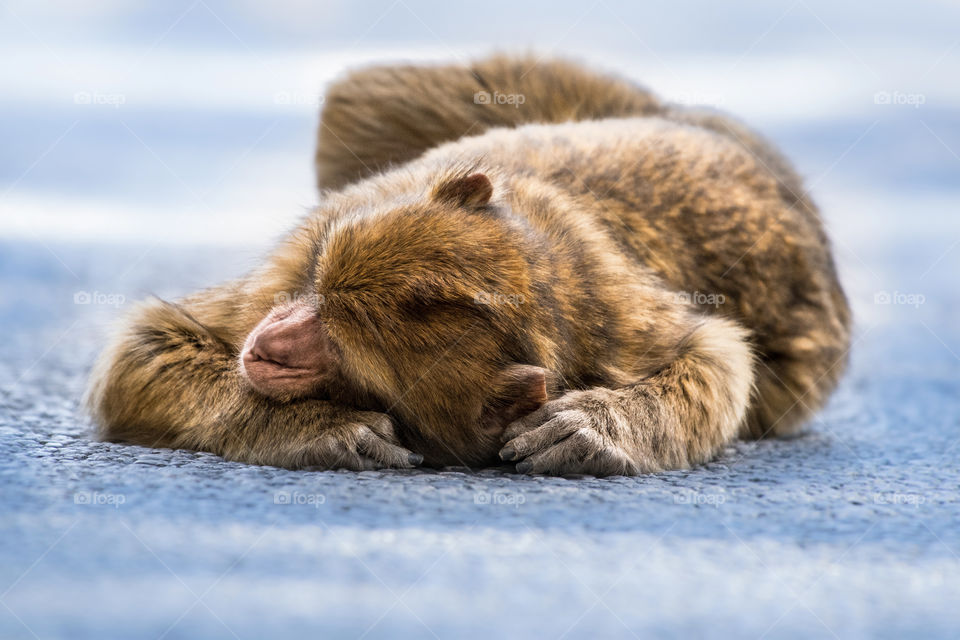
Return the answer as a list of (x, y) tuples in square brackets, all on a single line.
[(850, 530)]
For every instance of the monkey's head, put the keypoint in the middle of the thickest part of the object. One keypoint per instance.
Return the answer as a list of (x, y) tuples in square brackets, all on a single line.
[(425, 310)]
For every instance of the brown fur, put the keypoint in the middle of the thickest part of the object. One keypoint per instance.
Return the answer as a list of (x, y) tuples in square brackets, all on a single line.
[(661, 266)]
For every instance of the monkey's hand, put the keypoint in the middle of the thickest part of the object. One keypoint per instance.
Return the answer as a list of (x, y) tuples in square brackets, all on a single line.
[(348, 439), (582, 432), (170, 381), (682, 415)]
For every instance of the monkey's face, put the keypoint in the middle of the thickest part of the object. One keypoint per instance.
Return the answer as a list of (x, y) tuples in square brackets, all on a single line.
[(424, 312)]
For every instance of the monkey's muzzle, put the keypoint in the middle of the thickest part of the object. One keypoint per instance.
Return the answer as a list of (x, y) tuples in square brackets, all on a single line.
[(289, 354)]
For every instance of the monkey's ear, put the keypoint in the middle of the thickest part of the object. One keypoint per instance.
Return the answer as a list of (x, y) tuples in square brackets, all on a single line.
[(518, 390), (472, 191)]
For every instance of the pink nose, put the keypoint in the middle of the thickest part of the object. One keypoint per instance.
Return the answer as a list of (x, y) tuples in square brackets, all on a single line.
[(291, 341), (258, 352), (289, 353)]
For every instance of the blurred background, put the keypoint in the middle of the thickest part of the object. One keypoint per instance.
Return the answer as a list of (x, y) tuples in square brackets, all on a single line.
[(193, 121), (158, 147)]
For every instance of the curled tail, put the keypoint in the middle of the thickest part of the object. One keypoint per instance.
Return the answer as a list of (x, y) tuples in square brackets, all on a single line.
[(380, 116)]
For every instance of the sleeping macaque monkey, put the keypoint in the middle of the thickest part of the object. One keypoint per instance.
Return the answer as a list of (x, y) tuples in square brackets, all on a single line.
[(590, 281)]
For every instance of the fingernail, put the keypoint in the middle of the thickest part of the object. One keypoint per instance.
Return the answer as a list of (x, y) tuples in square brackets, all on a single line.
[(524, 466), (507, 454), (415, 459)]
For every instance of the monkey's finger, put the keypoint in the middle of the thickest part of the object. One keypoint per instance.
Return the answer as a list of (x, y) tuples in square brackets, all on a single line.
[(531, 420), (369, 464), (537, 439), (334, 453), (567, 456), (567, 402), (610, 461), (353, 461), (380, 423), (386, 453)]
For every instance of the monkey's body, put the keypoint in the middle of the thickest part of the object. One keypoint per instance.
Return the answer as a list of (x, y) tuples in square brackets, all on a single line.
[(610, 296)]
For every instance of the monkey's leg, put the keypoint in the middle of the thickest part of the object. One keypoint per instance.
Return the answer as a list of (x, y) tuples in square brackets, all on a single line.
[(682, 415), (798, 369), (170, 381)]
